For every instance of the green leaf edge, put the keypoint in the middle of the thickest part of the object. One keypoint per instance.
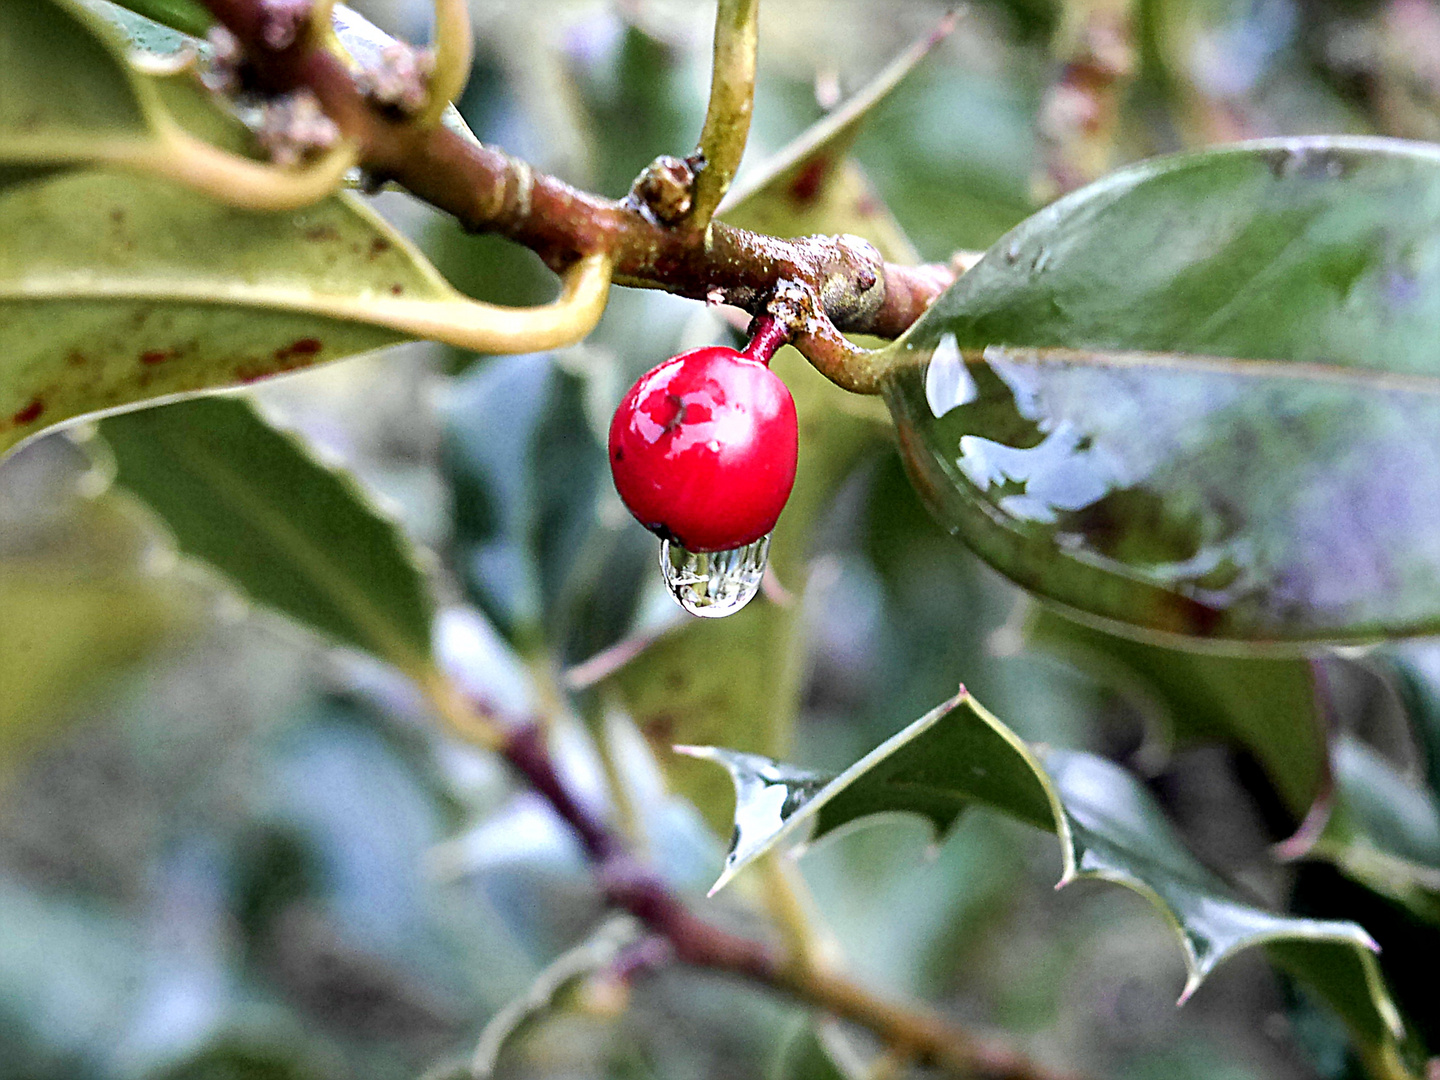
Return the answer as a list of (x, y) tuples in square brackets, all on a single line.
[(385, 645), (1118, 182)]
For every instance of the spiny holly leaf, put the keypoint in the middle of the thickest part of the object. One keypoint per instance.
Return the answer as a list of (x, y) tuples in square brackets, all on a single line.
[(959, 755), (1266, 705), (1200, 396), (286, 530)]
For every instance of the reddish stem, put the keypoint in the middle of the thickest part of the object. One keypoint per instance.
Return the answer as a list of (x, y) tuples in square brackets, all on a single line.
[(767, 334)]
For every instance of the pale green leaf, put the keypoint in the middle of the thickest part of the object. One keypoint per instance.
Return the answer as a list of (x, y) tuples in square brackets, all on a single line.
[(289, 532), (118, 288)]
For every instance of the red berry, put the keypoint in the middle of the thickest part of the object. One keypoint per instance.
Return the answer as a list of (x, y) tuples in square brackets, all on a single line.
[(703, 449)]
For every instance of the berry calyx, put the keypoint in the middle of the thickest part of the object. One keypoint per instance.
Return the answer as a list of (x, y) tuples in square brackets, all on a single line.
[(703, 449)]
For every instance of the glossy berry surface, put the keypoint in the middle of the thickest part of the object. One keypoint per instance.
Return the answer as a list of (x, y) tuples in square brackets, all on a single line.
[(703, 449)]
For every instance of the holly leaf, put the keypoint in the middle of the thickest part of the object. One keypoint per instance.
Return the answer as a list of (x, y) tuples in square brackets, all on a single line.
[(1267, 705), (959, 756), (117, 289), (526, 468), (1382, 829), (287, 531), (1199, 397)]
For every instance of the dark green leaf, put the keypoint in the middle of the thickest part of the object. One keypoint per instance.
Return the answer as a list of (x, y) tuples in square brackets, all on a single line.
[(289, 532), (1198, 397), (1383, 831), (959, 755), (1265, 705)]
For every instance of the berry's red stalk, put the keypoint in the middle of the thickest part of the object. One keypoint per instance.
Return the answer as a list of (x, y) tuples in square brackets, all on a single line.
[(767, 334)]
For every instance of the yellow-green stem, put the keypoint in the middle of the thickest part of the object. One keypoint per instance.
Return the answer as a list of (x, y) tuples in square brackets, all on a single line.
[(732, 95)]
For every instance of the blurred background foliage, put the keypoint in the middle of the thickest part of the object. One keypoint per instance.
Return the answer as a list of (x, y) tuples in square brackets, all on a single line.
[(231, 852)]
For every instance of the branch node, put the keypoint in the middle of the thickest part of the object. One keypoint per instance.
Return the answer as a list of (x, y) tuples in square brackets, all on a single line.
[(666, 189), (398, 84), (294, 128), (854, 289), (283, 22)]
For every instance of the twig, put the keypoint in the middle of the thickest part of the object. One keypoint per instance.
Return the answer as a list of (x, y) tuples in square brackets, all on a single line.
[(637, 889), (850, 287)]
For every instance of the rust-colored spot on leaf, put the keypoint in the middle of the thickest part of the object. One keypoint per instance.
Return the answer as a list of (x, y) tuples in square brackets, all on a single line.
[(805, 188), (396, 289), (322, 232), (156, 356), (76, 359), (379, 246), (29, 414), (304, 347), (660, 728)]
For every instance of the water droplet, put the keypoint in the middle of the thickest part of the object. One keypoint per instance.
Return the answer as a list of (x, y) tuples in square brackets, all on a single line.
[(713, 584)]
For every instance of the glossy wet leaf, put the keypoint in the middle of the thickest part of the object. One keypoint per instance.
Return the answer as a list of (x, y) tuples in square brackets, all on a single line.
[(288, 531), (958, 756), (1198, 397), (1265, 705)]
